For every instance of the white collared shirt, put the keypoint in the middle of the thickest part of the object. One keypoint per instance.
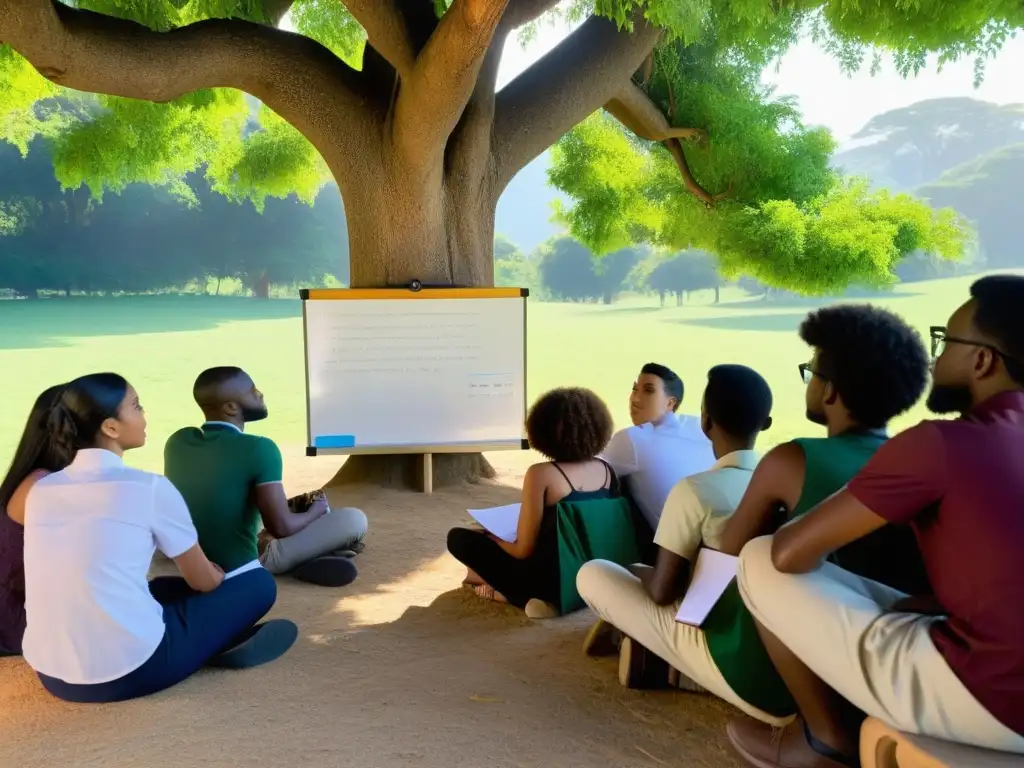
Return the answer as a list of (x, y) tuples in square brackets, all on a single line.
[(651, 458), (699, 506), (90, 533)]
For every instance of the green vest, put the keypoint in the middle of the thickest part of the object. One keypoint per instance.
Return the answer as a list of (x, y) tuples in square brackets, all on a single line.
[(731, 634), (595, 529), (832, 462), (889, 555)]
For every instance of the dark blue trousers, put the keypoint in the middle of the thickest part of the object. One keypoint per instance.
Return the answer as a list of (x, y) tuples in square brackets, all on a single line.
[(198, 626)]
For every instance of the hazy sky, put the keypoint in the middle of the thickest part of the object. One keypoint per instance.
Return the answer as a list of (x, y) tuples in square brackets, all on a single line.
[(827, 97)]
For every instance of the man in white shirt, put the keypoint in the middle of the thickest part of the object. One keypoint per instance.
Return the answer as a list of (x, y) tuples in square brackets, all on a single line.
[(661, 448)]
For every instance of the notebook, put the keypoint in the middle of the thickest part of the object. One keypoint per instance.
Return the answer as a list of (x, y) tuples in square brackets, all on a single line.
[(712, 574)]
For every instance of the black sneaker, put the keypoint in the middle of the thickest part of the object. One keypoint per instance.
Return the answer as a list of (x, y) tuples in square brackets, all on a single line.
[(641, 670), (327, 571), (261, 644)]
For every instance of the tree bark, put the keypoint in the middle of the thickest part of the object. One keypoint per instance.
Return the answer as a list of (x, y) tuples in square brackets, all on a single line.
[(261, 288)]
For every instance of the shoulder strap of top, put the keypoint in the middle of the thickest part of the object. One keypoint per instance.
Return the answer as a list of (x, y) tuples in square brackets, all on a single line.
[(562, 472), (611, 481)]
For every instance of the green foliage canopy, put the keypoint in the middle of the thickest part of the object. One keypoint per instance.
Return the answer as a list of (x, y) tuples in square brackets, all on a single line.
[(148, 143), (783, 215)]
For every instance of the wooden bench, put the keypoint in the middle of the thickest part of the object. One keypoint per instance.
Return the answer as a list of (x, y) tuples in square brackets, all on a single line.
[(884, 747)]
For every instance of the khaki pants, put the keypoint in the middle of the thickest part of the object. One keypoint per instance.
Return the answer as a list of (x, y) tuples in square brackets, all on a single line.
[(884, 663), (337, 530), (619, 598)]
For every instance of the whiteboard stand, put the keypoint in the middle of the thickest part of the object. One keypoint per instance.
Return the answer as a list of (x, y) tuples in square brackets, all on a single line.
[(463, 349), (428, 473)]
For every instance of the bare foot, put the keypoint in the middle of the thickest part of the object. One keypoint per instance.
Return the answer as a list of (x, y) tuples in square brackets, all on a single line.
[(472, 579), (487, 593)]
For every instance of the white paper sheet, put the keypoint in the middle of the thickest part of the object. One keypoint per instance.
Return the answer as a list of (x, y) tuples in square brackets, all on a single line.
[(501, 521), (251, 565), (712, 574)]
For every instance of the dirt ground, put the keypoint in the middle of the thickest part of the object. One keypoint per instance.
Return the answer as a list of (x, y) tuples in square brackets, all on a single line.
[(402, 668)]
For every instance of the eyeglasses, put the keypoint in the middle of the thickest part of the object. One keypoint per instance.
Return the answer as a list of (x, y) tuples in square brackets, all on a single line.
[(807, 373), (940, 339)]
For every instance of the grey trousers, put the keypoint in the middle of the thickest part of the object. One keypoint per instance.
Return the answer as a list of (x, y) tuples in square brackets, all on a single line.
[(340, 529)]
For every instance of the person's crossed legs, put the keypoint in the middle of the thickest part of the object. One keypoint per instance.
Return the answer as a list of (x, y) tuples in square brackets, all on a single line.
[(842, 655), (320, 553), (619, 598), (199, 627)]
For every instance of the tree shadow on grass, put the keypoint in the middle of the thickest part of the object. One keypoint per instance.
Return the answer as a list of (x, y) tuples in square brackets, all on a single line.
[(813, 302), (788, 321), (633, 310), (57, 322)]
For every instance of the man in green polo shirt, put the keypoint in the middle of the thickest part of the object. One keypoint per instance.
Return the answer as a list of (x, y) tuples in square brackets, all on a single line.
[(232, 484)]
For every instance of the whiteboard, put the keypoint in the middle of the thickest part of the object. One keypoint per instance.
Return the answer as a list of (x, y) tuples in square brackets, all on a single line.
[(432, 371)]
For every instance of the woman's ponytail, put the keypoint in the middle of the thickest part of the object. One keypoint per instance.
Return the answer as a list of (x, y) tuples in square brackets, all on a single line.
[(60, 425)]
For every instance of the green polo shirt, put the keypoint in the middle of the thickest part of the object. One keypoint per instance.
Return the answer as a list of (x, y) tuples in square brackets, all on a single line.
[(216, 468)]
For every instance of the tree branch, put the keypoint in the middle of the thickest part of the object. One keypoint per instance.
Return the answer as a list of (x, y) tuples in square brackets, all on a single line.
[(431, 100), (386, 31), (296, 77), (675, 148), (469, 148), (635, 110), (582, 74)]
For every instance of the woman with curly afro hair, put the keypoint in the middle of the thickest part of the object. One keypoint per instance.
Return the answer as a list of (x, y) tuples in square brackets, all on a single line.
[(570, 426)]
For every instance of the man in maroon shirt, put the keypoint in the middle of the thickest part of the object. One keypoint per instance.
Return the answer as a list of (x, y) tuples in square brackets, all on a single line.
[(948, 665)]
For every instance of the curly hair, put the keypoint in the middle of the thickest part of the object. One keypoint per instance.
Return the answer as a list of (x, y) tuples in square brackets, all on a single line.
[(569, 424), (877, 363)]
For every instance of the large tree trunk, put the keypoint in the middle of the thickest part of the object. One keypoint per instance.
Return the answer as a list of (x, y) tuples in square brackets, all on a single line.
[(438, 236)]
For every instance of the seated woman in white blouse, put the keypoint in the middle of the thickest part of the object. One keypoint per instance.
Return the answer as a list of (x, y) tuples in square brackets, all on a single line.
[(96, 630)]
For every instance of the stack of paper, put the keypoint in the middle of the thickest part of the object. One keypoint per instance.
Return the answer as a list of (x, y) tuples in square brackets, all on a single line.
[(500, 521), (712, 575)]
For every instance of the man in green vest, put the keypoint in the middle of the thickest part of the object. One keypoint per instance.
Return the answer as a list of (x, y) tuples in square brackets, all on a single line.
[(232, 484), (867, 367)]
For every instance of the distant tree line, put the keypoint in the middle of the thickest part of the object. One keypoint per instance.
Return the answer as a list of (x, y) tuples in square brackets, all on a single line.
[(151, 238), (563, 269)]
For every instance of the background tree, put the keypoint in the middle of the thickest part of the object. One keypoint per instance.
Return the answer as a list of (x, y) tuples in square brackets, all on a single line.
[(612, 270), (145, 238), (513, 268), (683, 273), (567, 270)]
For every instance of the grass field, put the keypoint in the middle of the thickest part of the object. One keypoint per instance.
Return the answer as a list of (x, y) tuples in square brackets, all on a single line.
[(160, 343)]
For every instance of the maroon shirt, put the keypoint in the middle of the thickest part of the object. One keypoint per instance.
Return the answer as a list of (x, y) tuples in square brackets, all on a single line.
[(960, 484)]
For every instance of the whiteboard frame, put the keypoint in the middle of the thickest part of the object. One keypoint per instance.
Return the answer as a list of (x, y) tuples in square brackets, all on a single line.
[(380, 450)]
